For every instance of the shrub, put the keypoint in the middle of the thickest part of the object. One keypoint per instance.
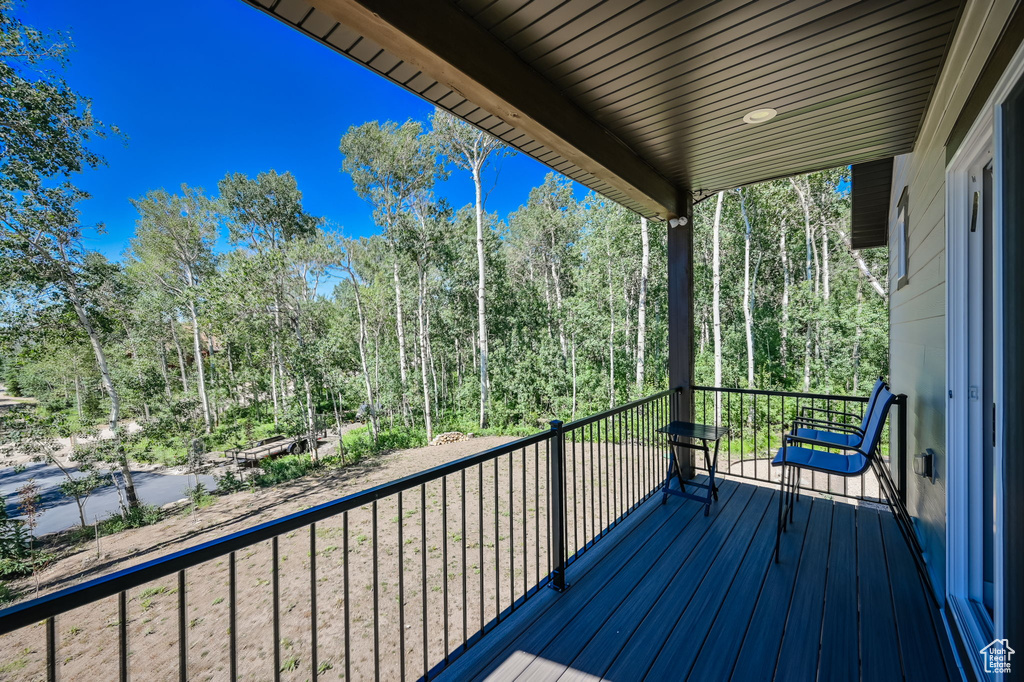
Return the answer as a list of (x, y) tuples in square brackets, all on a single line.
[(359, 444), (17, 558), (231, 482), (286, 468), (7, 595), (199, 496)]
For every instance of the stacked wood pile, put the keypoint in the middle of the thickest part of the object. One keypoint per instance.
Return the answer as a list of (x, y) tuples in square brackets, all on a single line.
[(450, 437)]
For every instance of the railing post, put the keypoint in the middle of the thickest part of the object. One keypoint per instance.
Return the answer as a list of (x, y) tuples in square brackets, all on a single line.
[(556, 504), (901, 448)]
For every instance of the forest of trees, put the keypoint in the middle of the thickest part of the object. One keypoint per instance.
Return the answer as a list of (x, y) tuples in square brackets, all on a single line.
[(234, 308)]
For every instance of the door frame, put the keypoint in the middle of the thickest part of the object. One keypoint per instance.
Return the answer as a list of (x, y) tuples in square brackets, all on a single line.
[(963, 498)]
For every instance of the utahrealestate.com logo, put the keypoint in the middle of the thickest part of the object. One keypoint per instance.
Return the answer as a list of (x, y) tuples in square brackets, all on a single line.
[(996, 656)]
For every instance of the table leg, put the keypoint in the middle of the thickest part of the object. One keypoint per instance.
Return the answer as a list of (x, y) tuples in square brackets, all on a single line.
[(714, 470), (668, 478)]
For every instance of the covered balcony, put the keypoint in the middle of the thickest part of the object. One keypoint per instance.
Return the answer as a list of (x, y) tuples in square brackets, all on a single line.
[(449, 573)]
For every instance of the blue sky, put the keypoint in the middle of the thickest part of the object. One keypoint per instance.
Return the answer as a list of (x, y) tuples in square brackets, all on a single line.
[(201, 89)]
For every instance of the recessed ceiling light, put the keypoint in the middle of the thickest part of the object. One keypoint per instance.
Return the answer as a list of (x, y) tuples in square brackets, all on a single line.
[(760, 116)]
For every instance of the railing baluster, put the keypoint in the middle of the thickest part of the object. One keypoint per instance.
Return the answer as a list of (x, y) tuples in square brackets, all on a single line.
[(182, 629), (51, 650), (348, 614), (122, 635), (401, 589), (275, 582), (423, 575), (376, 600), (480, 520), (312, 601), (232, 619), (511, 536), (593, 491), (463, 541), (444, 560), (575, 518), (526, 525), (497, 549), (536, 513)]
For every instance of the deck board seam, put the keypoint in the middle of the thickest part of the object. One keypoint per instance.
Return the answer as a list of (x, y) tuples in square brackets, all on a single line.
[(718, 610), (892, 599), (637, 584), (681, 509), (707, 570)]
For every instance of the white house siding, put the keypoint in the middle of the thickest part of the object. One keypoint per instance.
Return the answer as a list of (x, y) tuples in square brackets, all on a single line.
[(917, 312)]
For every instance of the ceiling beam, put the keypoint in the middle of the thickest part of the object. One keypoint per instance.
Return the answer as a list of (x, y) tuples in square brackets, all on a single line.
[(448, 45)]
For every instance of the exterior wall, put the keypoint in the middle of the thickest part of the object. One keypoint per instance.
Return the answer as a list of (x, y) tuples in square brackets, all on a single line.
[(917, 311)]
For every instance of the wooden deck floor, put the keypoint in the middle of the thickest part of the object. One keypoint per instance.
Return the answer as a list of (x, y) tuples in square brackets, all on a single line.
[(672, 595)]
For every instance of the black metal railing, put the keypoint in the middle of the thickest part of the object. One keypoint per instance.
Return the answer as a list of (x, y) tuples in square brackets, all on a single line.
[(394, 582), (758, 419)]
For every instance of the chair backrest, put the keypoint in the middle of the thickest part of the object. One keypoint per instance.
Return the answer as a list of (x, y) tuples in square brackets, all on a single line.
[(876, 421), (872, 399)]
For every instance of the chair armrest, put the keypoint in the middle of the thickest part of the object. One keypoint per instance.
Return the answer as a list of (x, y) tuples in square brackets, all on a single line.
[(821, 425), (808, 408), (793, 438)]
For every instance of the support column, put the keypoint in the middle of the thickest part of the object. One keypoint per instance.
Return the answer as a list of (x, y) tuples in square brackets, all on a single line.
[(681, 320)]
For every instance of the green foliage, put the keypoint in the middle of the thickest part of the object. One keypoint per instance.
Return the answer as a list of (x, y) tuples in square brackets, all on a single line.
[(7, 595), (137, 517), (230, 482), (282, 469), (358, 443), (199, 496)]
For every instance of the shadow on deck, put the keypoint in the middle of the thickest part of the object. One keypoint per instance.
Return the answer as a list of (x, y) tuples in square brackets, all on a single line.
[(674, 595)]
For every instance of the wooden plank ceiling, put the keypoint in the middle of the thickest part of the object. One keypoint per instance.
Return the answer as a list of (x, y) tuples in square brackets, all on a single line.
[(665, 84)]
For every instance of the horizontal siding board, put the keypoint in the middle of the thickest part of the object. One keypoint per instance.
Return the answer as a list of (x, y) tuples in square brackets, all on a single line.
[(568, 19), (714, 120), (640, 103), (807, 125), (898, 119), (731, 71), (756, 165), (923, 305), (730, 22)]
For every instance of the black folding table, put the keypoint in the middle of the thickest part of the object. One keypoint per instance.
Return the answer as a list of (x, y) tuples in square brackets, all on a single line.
[(685, 435)]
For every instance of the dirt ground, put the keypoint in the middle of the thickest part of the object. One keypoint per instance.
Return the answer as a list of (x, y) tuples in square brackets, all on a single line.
[(20, 653), (424, 570)]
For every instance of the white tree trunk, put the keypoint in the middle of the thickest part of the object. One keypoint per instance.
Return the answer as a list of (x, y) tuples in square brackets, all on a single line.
[(400, 328), (181, 356), (716, 293), (273, 381), (108, 386), (641, 314), (826, 286), (485, 386), (863, 267), (611, 328), (200, 373), (785, 298), (163, 368), (574, 385), (857, 337), (748, 299), (374, 427), (423, 348)]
